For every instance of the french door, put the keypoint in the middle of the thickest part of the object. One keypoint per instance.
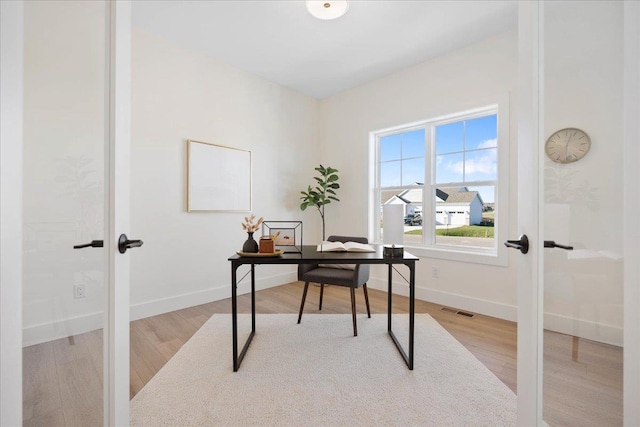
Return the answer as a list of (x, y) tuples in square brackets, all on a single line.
[(75, 294), (577, 300)]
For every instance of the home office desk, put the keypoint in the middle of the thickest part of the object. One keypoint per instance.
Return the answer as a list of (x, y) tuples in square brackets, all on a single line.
[(309, 255)]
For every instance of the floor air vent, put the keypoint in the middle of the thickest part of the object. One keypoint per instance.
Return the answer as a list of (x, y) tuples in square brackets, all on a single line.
[(458, 312)]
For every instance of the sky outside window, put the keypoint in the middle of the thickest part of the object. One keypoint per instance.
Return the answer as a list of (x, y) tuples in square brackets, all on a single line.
[(467, 151), (450, 138), (402, 158), (481, 132)]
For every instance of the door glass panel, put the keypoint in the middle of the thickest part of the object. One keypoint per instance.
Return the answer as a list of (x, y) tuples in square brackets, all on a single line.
[(583, 306), (64, 134)]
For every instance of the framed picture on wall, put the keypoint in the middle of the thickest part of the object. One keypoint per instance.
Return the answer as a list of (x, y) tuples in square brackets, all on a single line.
[(218, 178), (289, 234)]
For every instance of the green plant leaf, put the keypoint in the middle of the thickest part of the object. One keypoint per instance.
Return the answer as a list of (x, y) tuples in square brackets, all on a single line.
[(323, 193)]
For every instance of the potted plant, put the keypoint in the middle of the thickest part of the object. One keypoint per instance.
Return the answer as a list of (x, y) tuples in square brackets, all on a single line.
[(322, 193)]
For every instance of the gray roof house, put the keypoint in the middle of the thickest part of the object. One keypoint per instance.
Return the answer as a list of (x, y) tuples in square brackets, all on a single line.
[(454, 205), (458, 206)]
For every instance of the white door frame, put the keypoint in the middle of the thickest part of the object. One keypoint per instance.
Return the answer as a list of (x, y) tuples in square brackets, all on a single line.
[(117, 152), (530, 212), (116, 322), (529, 266), (631, 219), (11, 78)]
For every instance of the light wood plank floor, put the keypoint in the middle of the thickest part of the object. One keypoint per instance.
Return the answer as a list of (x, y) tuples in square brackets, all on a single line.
[(63, 381)]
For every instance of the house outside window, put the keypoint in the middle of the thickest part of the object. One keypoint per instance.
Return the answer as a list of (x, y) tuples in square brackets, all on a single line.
[(450, 174)]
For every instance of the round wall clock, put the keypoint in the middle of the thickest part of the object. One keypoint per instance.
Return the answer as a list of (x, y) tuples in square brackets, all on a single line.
[(567, 145)]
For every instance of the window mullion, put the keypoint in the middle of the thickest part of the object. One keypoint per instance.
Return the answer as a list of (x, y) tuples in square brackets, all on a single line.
[(428, 200), (464, 150), (401, 161)]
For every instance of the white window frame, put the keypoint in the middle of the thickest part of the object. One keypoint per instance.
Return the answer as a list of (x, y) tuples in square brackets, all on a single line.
[(496, 255)]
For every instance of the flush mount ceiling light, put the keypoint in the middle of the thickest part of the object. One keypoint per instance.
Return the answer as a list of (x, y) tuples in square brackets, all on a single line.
[(328, 9)]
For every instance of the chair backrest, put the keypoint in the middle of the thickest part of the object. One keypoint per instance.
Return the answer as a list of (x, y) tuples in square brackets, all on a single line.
[(344, 239), (363, 269)]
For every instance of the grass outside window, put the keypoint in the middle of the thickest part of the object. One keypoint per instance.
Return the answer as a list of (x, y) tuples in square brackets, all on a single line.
[(464, 231)]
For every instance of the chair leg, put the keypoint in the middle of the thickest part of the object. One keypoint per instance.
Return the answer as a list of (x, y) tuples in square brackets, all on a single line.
[(366, 299), (321, 292), (304, 297), (353, 311)]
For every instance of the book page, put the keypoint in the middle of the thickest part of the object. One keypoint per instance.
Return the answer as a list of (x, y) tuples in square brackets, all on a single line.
[(346, 247), (331, 247), (358, 247)]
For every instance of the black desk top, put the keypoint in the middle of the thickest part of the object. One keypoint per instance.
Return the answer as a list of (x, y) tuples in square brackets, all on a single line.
[(311, 255)]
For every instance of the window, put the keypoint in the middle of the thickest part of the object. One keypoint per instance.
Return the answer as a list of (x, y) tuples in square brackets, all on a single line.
[(450, 176)]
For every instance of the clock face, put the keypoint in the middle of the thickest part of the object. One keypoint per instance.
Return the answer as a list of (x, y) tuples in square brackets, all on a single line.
[(567, 145)]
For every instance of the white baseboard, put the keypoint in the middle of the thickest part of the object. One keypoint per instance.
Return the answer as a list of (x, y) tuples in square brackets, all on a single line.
[(488, 308), (584, 329), (553, 322), (61, 329), (153, 308), (90, 322)]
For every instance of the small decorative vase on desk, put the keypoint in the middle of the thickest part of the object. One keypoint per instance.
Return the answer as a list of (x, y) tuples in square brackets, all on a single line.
[(250, 245)]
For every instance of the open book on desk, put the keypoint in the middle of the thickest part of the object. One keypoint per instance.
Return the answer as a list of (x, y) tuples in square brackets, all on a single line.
[(344, 247)]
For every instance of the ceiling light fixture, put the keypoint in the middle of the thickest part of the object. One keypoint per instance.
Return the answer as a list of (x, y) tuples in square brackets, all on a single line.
[(327, 9)]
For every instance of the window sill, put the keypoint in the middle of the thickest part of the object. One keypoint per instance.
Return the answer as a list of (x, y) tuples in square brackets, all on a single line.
[(470, 255)]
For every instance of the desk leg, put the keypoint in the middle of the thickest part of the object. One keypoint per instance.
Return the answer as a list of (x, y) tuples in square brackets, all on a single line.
[(234, 315), (389, 294), (407, 358), (237, 359), (412, 309), (253, 298)]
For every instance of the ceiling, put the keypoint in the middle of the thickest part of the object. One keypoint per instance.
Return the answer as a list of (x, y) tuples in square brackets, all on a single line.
[(281, 42)]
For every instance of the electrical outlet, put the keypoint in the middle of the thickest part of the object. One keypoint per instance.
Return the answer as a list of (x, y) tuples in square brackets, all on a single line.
[(79, 291), (435, 272)]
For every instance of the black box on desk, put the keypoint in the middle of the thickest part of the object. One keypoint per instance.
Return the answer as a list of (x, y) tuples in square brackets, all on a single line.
[(393, 251)]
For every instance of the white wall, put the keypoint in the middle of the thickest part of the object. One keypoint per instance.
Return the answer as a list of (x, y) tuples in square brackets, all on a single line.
[(177, 95), (463, 79), (583, 89)]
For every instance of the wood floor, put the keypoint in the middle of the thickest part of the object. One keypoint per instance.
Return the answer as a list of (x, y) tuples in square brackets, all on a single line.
[(63, 383)]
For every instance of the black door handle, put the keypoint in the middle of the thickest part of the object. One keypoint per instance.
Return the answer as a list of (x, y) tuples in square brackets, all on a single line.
[(522, 244), (92, 244), (124, 243), (552, 244)]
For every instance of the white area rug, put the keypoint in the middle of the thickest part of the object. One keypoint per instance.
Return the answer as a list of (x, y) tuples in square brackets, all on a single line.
[(316, 373)]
